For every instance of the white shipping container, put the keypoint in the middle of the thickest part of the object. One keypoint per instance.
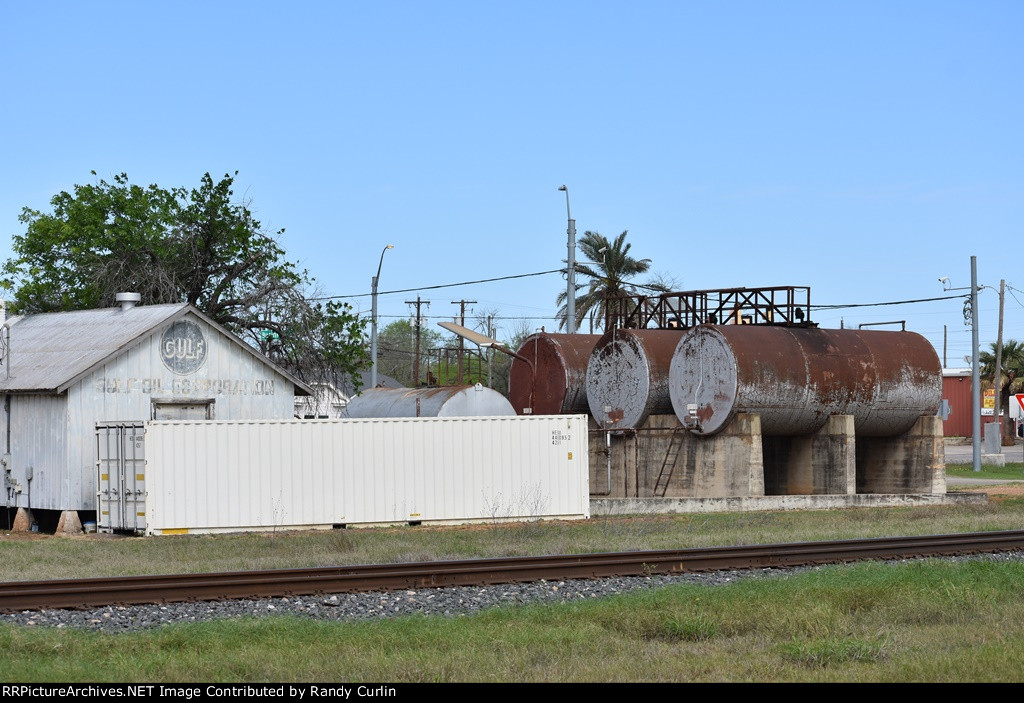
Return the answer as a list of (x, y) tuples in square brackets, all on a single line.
[(286, 474)]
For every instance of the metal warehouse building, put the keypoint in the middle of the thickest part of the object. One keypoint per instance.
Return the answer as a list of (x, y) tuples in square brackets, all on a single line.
[(64, 372)]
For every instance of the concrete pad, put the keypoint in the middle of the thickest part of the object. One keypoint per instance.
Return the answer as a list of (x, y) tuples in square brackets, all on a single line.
[(653, 506), (993, 460)]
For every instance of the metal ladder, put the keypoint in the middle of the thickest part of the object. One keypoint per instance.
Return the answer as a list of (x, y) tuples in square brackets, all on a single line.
[(669, 464)]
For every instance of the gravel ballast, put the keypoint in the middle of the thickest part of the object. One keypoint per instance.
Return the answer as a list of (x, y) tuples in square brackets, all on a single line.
[(451, 602)]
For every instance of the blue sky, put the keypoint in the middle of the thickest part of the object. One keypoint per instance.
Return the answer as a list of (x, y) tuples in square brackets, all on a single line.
[(863, 149)]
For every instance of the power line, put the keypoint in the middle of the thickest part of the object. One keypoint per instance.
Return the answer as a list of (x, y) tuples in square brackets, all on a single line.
[(443, 285), (893, 302)]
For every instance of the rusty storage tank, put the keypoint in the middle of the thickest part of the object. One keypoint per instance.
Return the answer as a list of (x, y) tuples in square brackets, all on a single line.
[(627, 376), (794, 378), (560, 369), (444, 401)]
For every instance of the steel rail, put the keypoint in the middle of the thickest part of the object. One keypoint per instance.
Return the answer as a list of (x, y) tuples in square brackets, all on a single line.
[(134, 590)]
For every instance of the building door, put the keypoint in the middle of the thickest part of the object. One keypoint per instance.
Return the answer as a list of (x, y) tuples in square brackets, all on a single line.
[(121, 476), (183, 411)]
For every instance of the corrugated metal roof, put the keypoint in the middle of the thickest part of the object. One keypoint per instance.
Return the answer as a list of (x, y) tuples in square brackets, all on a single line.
[(50, 351)]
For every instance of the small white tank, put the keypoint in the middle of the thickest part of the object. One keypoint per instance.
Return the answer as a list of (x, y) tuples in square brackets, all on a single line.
[(444, 401)]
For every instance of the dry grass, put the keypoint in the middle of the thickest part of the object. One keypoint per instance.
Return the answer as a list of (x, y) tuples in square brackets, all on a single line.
[(36, 556)]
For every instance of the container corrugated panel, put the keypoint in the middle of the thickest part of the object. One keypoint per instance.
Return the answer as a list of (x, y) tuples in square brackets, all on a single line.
[(264, 475)]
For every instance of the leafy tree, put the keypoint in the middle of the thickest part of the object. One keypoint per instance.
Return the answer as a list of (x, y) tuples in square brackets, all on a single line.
[(1012, 377), (610, 265), (195, 246), (396, 349), (502, 363)]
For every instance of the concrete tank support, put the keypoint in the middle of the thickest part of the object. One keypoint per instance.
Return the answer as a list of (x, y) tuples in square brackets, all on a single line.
[(726, 465), (823, 463), (914, 462), (627, 376), (559, 382), (796, 378)]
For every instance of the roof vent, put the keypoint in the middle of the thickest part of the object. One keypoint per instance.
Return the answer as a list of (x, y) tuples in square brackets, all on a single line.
[(128, 300)]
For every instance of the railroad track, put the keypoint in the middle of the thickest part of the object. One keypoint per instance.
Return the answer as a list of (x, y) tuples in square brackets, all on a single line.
[(134, 590)]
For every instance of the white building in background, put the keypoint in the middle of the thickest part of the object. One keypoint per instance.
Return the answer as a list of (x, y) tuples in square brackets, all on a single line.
[(63, 372)]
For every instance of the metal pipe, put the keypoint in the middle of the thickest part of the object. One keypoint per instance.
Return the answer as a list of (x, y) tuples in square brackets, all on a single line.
[(608, 473)]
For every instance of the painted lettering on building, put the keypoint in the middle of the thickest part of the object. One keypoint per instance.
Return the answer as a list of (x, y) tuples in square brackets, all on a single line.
[(186, 386)]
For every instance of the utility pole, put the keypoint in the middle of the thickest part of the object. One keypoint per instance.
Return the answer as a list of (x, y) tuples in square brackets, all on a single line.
[(998, 377), (944, 342), (462, 322), (490, 351), (975, 375), (416, 355)]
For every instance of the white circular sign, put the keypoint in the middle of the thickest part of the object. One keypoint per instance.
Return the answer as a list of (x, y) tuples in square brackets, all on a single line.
[(183, 347)]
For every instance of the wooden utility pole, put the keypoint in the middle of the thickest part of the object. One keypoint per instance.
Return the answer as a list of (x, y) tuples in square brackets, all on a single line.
[(462, 321), (490, 352), (416, 353)]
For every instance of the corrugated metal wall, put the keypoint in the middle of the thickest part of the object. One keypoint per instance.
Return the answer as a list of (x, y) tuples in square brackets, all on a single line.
[(39, 441), (224, 476), (57, 433), (957, 390)]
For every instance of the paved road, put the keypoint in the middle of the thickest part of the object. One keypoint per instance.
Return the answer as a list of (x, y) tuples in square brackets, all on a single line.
[(963, 453)]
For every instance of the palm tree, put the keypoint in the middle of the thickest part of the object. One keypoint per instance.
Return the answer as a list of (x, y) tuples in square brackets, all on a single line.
[(610, 265), (1012, 376)]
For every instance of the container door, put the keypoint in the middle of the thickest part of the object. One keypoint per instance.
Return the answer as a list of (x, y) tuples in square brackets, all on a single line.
[(121, 477)]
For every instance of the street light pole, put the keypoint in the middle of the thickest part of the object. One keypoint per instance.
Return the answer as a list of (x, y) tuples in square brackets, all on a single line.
[(570, 288), (373, 321)]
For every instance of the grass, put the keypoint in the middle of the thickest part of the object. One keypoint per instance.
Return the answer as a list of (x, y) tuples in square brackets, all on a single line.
[(920, 621), (1012, 471)]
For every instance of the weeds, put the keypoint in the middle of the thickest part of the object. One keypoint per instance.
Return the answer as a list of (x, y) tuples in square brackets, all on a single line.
[(832, 651)]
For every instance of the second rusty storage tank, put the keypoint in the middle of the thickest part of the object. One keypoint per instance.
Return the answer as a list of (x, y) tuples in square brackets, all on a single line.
[(627, 376), (794, 378), (558, 382), (442, 401)]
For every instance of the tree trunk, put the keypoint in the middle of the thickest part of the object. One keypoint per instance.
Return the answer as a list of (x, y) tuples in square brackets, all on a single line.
[(1008, 425)]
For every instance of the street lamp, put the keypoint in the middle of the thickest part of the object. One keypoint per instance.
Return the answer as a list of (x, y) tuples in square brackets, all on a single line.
[(570, 287), (488, 343), (373, 321)]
